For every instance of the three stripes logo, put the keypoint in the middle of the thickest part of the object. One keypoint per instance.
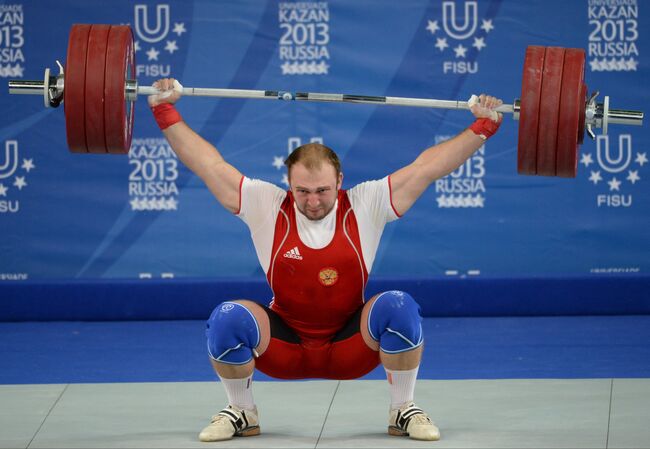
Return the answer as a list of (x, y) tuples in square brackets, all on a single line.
[(293, 254)]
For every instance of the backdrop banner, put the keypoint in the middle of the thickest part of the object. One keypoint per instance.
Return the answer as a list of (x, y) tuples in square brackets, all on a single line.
[(69, 217)]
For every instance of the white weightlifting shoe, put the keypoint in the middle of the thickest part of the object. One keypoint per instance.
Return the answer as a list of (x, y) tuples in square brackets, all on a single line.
[(231, 422), (411, 421)]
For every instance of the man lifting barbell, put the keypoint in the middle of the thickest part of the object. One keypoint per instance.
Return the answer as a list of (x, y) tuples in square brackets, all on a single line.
[(316, 243)]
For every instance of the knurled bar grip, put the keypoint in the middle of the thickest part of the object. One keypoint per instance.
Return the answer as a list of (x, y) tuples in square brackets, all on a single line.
[(322, 97)]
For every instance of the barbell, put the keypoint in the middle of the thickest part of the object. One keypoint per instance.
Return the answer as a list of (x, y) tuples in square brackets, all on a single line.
[(98, 89)]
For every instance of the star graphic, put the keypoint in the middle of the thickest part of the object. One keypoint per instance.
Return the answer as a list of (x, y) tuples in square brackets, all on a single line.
[(433, 26), (286, 68), (487, 25), (479, 201), (633, 176), (586, 159), (171, 46), (460, 51), (18, 71), (442, 201), (631, 64), (28, 164), (441, 43), (278, 162), (20, 182), (621, 64), (641, 159), (135, 204), (136, 46), (614, 184), (323, 68), (611, 64), (179, 28), (603, 64), (152, 54), (595, 66), (595, 177), (172, 204), (285, 180), (479, 43), (3, 190)]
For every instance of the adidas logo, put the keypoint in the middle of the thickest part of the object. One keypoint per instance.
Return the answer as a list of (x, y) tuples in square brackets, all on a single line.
[(293, 254)]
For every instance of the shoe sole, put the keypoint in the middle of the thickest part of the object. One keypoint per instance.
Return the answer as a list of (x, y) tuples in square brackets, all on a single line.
[(249, 432), (392, 430), (400, 433)]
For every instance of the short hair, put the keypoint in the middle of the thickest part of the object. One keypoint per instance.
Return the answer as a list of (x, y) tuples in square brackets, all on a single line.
[(312, 155)]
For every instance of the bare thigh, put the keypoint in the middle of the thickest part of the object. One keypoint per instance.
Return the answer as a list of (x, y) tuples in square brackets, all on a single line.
[(363, 325)]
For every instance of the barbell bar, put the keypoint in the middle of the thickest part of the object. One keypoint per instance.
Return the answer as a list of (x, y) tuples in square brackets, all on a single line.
[(98, 89)]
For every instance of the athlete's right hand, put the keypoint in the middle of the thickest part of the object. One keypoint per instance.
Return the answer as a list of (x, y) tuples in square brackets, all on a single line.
[(170, 92)]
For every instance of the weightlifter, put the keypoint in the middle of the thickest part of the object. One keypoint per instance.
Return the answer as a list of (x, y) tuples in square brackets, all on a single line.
[(316, 242)]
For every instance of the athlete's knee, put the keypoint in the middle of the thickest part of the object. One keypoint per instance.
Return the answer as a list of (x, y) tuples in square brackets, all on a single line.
[(232, 334), (394, 321)]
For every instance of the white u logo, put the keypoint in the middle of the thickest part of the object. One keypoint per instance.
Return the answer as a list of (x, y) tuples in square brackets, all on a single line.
[(142, 23), (449, 20), (10, 163), (623, 158), (295, 142)]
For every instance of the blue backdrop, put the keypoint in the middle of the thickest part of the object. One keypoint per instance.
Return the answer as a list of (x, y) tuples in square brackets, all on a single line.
[(83, 217)]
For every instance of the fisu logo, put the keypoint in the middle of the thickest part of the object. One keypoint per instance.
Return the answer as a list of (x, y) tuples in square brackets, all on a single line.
[(450, 22), (292, 144), (622, 160), (458, 27), (159, 31), (613, 166), (152, 30), (8, 168), (10, 163)]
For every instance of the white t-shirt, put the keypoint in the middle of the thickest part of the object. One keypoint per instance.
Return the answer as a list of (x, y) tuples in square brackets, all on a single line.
[(261, 201)]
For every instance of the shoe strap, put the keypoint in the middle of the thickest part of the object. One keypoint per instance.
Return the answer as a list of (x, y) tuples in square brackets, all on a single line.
[(405, 416), (237, 419)]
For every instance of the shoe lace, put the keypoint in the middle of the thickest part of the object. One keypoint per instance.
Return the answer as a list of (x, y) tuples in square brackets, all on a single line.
[(422, 419), (216, 418), (221, 416)]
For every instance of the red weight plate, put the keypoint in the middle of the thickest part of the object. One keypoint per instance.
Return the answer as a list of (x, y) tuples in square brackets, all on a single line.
[(549, 110), (581, 120), (531, 88), (120, 66), (571, 103), (94, 92), (74, 94)]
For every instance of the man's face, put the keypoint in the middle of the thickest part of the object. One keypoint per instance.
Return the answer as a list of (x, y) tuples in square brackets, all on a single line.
[(314, 191)]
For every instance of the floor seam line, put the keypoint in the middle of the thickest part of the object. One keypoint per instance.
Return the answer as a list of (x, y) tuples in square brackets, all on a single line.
[(47, 416), (609, 416), (338, 384)]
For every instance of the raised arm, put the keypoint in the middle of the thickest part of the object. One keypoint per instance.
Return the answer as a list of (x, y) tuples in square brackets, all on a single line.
[(408, 183), (200, 156)]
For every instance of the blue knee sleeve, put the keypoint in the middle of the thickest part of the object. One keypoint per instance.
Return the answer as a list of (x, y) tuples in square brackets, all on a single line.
[(232, 333), (394, 321)]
